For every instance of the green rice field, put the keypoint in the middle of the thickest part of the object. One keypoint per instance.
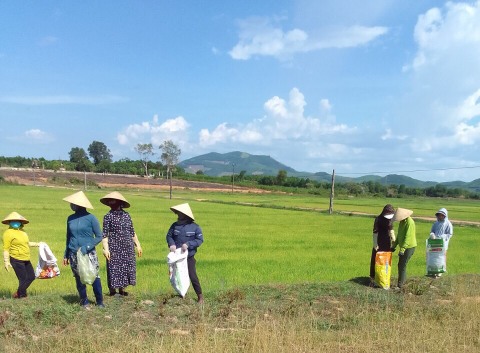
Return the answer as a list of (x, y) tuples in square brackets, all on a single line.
[(249, 238)]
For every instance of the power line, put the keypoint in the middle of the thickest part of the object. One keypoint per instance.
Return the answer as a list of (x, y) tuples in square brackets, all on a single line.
[(411, 171), (391, 172)]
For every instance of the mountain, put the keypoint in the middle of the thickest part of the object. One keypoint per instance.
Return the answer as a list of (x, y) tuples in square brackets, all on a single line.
[(218, 164), (473, 186)]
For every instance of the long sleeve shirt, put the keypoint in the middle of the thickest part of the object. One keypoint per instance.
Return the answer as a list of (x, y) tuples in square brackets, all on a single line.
[(406, 237), (185, 233), (443, 229), (83, 229)]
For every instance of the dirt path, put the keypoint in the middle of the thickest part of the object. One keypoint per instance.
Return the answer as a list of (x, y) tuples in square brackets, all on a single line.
[(46, 177)]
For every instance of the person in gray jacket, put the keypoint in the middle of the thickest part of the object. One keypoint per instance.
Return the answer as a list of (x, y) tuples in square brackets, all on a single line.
[(442, 229), (187, 235)]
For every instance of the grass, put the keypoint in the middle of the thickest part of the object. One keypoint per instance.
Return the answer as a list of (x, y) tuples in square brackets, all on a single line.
[(244, 245), (278, 273), (344, 316)]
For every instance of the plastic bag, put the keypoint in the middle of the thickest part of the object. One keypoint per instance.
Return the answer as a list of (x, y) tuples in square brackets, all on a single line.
[(47, 263), (178, 271), (436, 256), (86, 269), (383, 269)]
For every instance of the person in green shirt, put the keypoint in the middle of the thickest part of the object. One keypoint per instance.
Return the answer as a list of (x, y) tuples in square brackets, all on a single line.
[(16, 252), (406, 241)]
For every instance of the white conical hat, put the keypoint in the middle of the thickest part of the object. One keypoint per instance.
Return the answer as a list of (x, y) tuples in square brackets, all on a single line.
[(15, 216), (401, 214), (183, 208), (79, 199), (115, 196)]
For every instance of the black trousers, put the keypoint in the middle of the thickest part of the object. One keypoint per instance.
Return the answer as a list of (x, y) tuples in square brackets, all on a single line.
[(25, 275), (192, 273)]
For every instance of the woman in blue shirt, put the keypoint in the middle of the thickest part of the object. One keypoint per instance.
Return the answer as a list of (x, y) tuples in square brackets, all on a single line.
[(84, 233), (186, 234)]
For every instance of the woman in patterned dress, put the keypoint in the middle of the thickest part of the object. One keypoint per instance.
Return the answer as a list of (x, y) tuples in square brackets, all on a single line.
[(119, 241)]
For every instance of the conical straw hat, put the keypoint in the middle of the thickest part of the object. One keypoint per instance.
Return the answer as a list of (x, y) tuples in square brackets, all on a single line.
[(183, 208), (79, 199), (401, 214), (115, 196), (14, 216)]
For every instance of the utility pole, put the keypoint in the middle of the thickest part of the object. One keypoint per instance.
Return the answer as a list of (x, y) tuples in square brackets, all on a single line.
[(330, 209), (233, 175)]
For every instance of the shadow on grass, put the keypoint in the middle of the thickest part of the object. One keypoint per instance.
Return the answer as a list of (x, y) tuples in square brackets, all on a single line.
[(71, 299), (364, 281)]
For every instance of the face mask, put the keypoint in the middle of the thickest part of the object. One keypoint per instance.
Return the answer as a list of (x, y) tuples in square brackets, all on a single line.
[(15, 224)]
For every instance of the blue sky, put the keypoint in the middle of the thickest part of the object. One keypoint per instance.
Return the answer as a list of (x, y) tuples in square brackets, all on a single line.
[(362, 87)]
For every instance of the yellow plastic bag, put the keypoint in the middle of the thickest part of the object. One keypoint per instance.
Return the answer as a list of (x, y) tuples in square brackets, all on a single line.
[(383, 269)]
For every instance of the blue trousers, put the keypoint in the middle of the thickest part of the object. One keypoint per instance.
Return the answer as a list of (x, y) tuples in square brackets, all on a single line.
[(82, 290)]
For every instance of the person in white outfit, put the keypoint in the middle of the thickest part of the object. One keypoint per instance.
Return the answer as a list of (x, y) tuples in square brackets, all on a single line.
[(442, 228)]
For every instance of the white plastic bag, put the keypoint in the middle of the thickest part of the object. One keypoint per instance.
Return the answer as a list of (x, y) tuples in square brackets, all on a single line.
[(178, 271), (86, 269), (47, 263), (436, 256)]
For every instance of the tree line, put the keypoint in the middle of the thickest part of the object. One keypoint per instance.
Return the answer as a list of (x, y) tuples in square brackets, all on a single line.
[(99, 160), (371, 188)]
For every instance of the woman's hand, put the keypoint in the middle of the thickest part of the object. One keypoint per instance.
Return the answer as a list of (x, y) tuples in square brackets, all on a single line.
[(106, 253), (65, 262)]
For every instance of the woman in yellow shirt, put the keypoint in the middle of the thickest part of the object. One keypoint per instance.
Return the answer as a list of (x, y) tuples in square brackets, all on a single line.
[(16, 252)]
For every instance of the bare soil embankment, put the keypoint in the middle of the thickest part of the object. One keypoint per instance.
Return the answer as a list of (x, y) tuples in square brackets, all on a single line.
[(64, 178)]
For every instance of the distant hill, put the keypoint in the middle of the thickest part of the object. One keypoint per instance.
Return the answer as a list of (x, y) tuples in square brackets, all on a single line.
[(218, 164), (473, 186)]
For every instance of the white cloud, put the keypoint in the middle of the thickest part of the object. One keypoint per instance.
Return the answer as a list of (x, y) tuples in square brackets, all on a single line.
[(264, 37), (219, 135), (325, 105), (441, 112), (175, 129), (283, 122), (465, 132), (63, 100), (35, 136), (440, 33), (470, 107)]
